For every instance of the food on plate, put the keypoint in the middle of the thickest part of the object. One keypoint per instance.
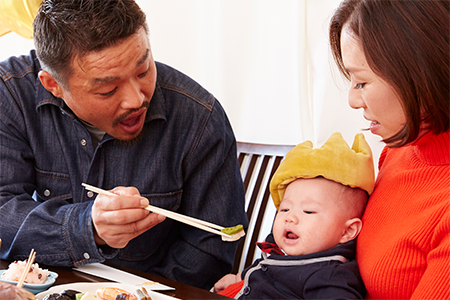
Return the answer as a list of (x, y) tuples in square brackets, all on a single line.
[(110, 293), (12, 292), (106, 293), (87, 296), (36, 275), (142, 294), (64, 295)]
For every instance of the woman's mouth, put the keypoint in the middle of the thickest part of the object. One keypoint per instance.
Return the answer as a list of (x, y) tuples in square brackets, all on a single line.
[(374, 126)]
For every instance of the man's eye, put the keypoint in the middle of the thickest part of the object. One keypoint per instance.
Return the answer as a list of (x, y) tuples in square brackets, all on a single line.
[(110, 93), (142, 75)]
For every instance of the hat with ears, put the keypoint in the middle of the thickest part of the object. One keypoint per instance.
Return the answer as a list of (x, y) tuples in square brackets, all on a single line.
[(334, 161)]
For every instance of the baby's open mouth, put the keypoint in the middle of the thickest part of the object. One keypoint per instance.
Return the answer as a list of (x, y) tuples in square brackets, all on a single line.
[(291, 235)]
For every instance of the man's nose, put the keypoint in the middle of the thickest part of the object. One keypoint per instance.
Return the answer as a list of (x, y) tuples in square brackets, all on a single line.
[(134, 96)]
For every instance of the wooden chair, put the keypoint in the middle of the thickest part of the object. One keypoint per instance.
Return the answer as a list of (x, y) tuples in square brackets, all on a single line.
[(258, 164)]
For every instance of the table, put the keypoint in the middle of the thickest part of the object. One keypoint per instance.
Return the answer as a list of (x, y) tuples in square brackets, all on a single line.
[(182, 291)]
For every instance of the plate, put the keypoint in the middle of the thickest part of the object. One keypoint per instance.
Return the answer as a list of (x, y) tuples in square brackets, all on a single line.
[(35, 288), (92, 287)]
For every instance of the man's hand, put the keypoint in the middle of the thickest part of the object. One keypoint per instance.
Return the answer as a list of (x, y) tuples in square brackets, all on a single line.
[(119, 219)]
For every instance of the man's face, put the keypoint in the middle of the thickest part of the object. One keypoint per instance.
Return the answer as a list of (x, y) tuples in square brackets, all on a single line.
[(111, 89)]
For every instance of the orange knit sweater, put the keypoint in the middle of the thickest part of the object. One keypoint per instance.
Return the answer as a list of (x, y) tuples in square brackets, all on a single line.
[(403, 249)]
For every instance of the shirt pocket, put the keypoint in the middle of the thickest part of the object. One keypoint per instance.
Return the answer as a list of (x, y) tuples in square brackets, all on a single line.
[(150, 241), (51, 185)]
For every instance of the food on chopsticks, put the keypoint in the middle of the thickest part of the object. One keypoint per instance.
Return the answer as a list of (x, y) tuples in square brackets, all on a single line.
[(200, 224), (12, 292), (63, 295), (233, 230), (36, 275), (235, 233)]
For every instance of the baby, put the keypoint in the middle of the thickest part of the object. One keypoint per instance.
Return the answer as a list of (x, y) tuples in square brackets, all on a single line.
[(311, 251)]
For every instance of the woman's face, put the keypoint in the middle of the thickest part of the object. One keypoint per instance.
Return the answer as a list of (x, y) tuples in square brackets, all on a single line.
[(382, 106)]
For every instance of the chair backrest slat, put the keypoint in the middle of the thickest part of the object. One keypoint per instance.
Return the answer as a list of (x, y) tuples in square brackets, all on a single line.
[(258, 164)]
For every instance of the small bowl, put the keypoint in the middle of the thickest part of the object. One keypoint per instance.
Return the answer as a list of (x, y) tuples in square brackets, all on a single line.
[(35, 288)]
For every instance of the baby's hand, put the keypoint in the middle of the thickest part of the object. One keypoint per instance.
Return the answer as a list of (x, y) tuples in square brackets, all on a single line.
[(226, 281)]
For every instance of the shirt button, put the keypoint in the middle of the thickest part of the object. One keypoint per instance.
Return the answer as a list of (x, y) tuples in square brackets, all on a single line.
[(83, 142), (86, 255), (90, 194), (246, 290), (47, 193)]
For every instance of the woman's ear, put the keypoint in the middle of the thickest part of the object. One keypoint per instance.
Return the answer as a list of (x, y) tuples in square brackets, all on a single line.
[(50, 84), (352, 229)]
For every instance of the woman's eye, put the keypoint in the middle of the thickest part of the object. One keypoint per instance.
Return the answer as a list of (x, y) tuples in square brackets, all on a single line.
[(110, 93), (359, 86)]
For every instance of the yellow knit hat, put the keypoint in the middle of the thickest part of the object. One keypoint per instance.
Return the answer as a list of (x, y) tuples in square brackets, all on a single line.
[(334, 161)]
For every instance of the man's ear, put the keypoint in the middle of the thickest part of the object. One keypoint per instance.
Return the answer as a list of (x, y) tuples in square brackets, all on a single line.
[(50, 84), (352, 229)]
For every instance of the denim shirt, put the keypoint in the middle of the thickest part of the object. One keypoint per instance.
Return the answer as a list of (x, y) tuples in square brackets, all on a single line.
[(185, 162)]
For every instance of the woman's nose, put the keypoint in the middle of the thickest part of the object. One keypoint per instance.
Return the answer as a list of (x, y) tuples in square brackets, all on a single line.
[(354, 99)]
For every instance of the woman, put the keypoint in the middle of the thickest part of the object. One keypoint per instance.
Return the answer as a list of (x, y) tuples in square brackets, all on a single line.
[(396, 56)]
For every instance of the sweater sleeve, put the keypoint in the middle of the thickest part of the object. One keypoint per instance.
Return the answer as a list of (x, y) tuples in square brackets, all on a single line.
[(435, 282)]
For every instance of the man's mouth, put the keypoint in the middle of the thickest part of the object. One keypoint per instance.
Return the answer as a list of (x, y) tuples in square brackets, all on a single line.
[(133, 123), (130, 121), (131, 116)]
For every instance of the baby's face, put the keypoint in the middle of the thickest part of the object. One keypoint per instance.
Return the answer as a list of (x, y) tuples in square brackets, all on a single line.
[(309, 219)]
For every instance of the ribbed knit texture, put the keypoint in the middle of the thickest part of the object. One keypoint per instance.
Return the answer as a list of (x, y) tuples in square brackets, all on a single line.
[(403, 249)]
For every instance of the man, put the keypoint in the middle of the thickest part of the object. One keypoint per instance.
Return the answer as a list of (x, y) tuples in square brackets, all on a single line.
[(91, 105)]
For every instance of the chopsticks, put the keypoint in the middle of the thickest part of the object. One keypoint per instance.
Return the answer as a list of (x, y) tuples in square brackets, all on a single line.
[(27, 268), (210, 227)]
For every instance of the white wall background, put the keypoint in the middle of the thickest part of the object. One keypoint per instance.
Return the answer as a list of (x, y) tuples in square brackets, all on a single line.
[(267, 61)]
